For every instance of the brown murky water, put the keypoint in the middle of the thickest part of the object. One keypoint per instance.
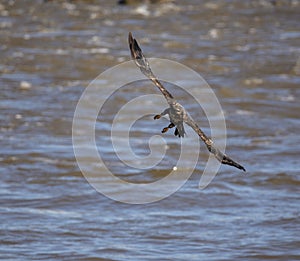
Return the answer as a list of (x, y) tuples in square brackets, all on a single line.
[(248, 51)]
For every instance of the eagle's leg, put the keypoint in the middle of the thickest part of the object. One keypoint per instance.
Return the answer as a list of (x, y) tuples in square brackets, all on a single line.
[(158, 116), (171, 125)]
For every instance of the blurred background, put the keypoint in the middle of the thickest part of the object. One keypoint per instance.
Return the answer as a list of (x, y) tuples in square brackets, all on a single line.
[(249, 53)]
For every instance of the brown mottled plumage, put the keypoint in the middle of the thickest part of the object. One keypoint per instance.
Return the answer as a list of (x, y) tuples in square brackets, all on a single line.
[(176, 111)]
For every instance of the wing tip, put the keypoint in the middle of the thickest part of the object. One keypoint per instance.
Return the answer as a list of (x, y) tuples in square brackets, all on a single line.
[(242, 168), (136, 52), (234, 164)]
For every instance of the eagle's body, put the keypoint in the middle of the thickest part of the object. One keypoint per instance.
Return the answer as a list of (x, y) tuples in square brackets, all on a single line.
[(177, 114)]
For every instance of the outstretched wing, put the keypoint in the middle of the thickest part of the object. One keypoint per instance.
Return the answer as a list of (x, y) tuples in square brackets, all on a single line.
[(144, 66), (141, 62), (224, 159)]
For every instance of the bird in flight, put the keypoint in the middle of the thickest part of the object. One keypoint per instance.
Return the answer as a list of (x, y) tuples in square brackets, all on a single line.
[(176, 112)]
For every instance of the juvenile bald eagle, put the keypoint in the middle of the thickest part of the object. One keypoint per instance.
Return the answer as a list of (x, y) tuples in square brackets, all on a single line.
[(176, 111)]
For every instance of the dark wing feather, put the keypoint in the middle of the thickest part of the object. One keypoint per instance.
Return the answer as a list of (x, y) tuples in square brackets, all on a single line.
[(224, 159), (141, 62)]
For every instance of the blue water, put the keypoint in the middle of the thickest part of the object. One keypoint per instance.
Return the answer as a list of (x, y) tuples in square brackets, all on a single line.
[(249, 55)]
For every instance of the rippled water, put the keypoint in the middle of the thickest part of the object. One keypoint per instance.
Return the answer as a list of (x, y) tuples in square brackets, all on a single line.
[(248, 51)]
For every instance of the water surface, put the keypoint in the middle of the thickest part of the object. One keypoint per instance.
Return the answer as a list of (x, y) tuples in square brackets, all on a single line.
[(248, 51)]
